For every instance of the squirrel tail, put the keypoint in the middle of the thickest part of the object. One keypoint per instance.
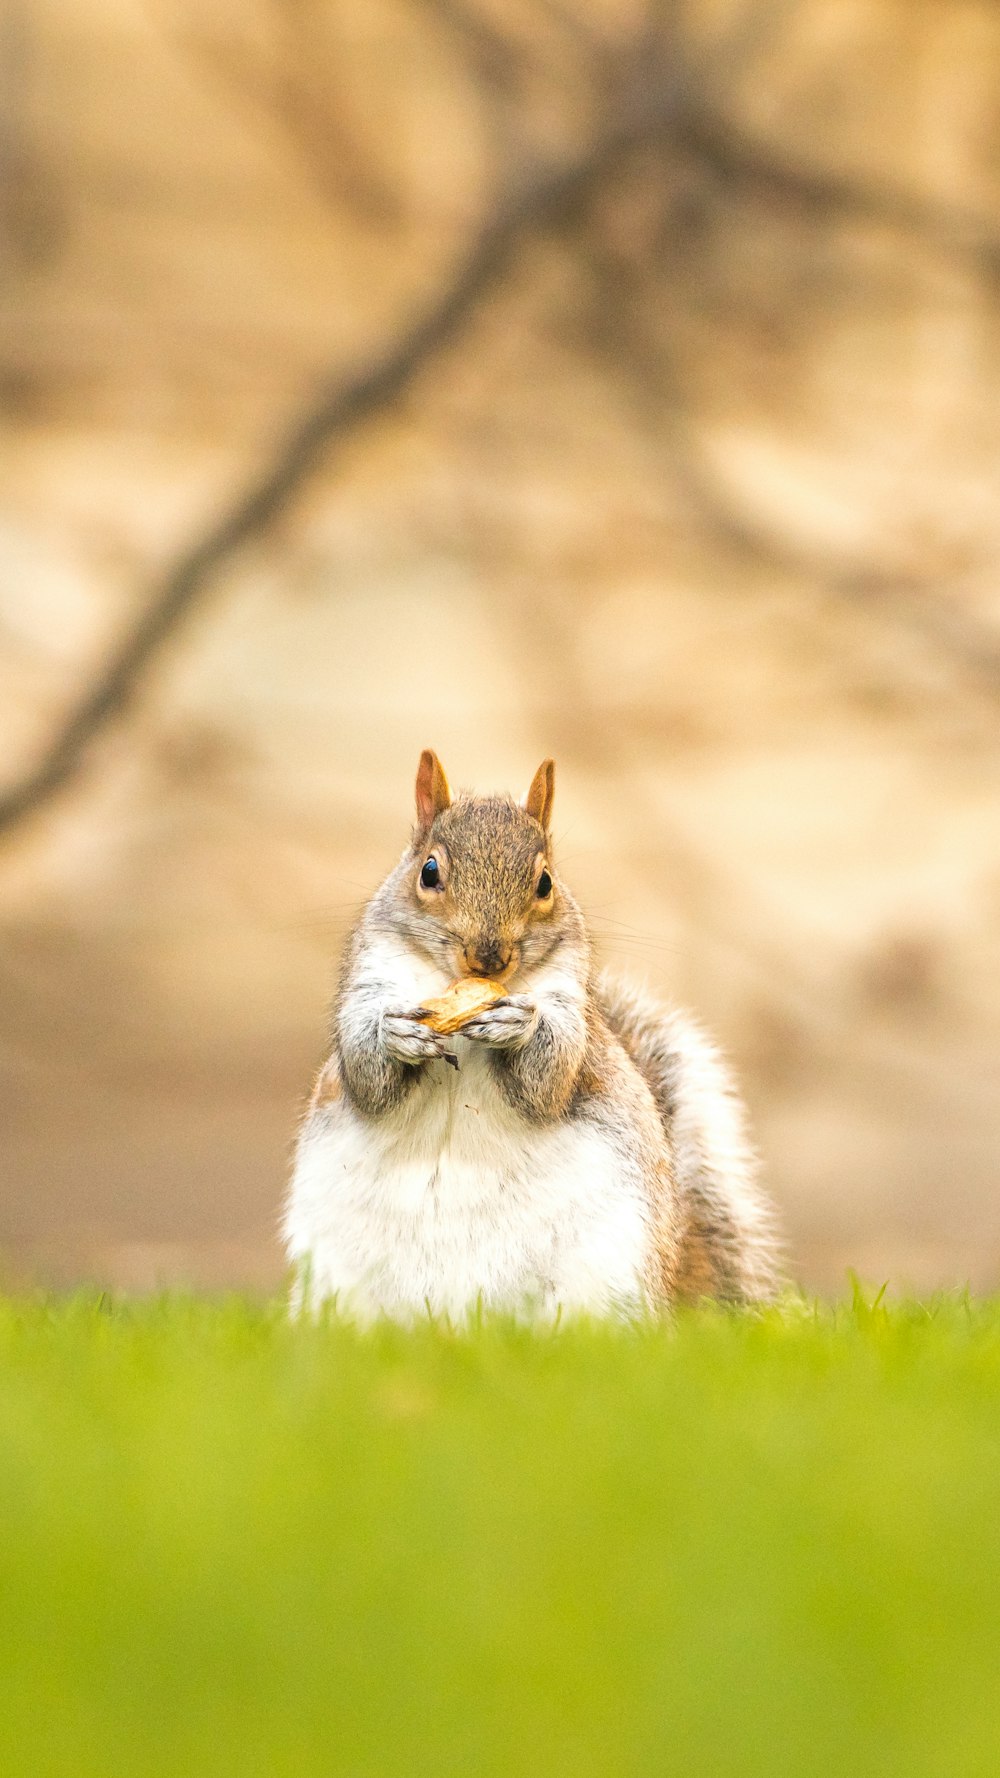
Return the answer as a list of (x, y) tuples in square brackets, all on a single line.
[(729, 1247)]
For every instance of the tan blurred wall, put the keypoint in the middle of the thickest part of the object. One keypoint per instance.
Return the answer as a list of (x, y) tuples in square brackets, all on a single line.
[(778, 787)]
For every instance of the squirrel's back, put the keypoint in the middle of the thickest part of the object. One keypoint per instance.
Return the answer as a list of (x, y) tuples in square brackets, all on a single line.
[(729, 1248)]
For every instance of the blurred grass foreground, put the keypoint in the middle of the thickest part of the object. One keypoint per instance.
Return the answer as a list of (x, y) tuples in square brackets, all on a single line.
[(747, 1545)]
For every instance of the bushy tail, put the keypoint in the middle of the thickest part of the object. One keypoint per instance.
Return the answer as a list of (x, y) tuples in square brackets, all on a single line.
[(730, 1249)]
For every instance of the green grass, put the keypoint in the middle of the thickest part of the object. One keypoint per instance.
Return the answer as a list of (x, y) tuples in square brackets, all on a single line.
[(233, 1547)]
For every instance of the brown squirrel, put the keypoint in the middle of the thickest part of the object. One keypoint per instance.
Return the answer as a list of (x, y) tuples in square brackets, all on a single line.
[(585, 1150)]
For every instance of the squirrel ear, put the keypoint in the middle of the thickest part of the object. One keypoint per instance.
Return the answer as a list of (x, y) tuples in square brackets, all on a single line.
[(538, 801), (433, 794)]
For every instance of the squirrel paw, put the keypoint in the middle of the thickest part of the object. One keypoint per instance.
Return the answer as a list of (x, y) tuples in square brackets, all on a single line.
[(507, 1024), (408, 1040)]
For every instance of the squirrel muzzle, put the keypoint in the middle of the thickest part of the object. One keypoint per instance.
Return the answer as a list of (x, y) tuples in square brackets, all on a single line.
[(487, 956)]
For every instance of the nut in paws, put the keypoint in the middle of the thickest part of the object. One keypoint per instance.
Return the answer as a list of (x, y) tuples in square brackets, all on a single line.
[(507, 1024)]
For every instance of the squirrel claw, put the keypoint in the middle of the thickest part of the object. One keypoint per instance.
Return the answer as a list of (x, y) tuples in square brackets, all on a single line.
[(450, 1057)]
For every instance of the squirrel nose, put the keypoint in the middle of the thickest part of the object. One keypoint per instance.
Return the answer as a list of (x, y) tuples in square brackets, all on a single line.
[(488, 957)]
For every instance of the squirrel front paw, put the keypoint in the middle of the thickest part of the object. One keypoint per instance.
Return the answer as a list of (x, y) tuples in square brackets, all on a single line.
[(507, 1024), (408, 1040)]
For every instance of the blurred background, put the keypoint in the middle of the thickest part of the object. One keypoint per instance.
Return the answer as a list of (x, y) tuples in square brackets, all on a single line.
[(608, 379)]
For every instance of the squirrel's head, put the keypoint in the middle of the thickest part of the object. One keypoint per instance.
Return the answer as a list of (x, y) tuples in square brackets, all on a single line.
[(483, 895)]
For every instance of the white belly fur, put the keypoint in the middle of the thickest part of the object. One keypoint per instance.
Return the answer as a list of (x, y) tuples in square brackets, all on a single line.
[(454, 1199)]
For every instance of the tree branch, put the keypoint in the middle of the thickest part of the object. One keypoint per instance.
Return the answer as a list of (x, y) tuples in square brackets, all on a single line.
[(546, 200), (749, 161), (498, 60), (910, 596), (661, 106), (299, 100)]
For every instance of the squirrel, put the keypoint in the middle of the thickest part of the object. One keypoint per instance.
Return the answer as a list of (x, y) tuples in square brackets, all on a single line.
[(585, 1151)]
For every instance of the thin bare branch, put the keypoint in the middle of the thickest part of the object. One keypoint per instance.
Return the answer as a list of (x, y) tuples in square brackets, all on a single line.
[(498, 61), (914, 599), (285, 91), (748, 161), (718, 68)]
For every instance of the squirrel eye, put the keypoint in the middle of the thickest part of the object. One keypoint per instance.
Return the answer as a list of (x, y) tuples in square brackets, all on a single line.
[(430, 876), (543, 888)]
